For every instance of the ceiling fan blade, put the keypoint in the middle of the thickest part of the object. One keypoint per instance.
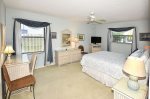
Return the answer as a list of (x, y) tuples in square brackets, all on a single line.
[(89, 22), (102, 20), (98, 22)]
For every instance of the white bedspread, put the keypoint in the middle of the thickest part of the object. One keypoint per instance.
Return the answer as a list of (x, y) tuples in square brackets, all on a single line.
[(110, 63)]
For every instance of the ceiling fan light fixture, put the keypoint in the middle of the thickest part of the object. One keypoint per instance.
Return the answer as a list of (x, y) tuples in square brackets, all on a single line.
[(92, 19), (92, 13)]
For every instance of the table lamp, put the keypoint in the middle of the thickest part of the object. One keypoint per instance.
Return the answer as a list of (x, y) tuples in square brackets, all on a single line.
[(9, 50), (74, 41), (135, 68)]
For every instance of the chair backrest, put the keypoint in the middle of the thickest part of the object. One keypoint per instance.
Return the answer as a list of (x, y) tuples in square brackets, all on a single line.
[(6, 76), (32, 63), (81, 47)]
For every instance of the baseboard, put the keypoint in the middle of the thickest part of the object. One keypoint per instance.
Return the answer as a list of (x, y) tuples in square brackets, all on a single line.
[(52, 64)]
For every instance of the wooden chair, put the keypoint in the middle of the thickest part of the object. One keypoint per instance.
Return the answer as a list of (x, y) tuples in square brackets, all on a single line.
[(82, 49), (27, 81), (32, 63)]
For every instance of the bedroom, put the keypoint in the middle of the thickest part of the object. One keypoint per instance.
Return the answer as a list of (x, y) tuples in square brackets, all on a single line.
[(126, 18)]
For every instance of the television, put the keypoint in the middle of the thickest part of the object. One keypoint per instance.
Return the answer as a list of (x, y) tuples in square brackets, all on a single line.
[(95, 39)]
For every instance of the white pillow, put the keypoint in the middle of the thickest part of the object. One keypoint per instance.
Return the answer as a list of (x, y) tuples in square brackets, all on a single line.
[(147, 52), (137, 53), (145, 56)]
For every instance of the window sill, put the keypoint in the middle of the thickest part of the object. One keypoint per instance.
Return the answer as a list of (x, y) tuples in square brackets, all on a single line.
[(122, 43), (38, 52)]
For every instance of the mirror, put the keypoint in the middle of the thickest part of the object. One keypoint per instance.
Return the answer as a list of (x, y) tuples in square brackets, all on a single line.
[(66, 34)]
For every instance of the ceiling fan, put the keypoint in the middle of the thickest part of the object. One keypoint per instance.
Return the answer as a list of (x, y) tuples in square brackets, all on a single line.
[(92, 19)]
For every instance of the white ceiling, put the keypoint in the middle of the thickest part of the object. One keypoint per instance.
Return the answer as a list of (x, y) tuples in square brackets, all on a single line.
[(111, 10)]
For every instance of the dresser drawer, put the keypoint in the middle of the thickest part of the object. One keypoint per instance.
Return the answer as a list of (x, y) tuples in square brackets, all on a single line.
[(64, 53), (76, 52), (76, 57), (96, 50), (64, 57), (63, 60)]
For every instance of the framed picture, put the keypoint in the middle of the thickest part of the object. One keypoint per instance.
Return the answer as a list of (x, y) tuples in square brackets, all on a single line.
[(54, 35), (81, 37), (144, 37), (65, 40)]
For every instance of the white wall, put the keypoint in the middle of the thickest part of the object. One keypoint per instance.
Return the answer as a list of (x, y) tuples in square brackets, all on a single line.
[(2, 17), (2, 20), (142, 26), (2, 12), (58, 25)]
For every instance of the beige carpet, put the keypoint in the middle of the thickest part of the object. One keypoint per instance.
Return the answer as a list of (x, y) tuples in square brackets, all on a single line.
[(66, 82)]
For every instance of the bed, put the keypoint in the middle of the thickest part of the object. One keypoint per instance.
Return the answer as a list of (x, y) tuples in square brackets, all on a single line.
[(104, 66)]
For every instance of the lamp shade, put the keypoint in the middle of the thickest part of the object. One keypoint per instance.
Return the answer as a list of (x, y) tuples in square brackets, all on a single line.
[(73, 39), (9, 49), (135, 67)]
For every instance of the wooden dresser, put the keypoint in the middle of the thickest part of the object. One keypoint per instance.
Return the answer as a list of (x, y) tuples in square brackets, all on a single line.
[(67, 56)]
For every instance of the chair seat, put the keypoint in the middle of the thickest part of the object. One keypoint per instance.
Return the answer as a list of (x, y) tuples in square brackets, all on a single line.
[(84, 53), (22, 82)]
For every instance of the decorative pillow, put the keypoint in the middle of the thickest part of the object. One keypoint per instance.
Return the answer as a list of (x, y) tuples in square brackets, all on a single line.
[(137, 53)]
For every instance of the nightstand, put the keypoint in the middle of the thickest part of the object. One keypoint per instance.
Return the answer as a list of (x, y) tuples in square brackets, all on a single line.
[(121, 91), (95, 48)]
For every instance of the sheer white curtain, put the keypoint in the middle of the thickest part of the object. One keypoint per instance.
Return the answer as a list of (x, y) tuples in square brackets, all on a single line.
[(47, 35), (134, 41), (18, 37)]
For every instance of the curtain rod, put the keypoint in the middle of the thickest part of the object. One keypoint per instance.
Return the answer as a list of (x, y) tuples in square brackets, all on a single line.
[(29, 19)]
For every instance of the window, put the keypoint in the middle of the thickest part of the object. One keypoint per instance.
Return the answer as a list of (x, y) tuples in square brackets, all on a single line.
[(123, 37), (32, 39)]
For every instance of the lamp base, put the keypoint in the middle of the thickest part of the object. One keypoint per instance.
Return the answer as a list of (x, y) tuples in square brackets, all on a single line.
[(9, 58), (133, 83)]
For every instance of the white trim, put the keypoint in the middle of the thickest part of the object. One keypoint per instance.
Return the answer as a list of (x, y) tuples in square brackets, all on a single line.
[(52, 64)]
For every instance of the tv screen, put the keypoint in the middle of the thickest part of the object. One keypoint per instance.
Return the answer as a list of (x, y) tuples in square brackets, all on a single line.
[(95, 39)]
